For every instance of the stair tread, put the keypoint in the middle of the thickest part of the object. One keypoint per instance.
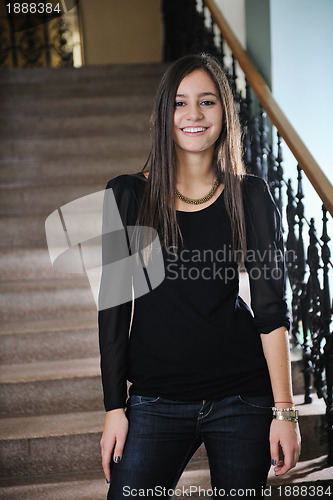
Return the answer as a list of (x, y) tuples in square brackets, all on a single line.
[(77, 281), (55, 425), (73, 487), (49, 370), (91, 484), (65, 76), (68, 138), (305, 471), (28, 264), (317, 407), (75, 322), (52, 479), (42, 189), (71, 163)]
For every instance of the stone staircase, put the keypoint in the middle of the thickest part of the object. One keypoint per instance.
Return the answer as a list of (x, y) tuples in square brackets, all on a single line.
[(63, 134)]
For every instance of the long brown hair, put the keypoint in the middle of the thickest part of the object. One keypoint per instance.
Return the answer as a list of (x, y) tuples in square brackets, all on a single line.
[(157, 208)]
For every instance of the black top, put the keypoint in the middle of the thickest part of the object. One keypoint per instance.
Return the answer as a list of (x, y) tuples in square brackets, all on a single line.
[(193, 337)]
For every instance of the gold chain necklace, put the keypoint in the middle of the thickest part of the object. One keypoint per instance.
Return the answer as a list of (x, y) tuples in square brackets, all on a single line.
[(198, 200)]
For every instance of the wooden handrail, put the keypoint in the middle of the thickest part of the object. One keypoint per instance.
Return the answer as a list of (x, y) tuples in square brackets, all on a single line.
[(303, 156)]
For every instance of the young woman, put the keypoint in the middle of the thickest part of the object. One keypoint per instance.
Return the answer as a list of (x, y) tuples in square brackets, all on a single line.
[(203, 368)]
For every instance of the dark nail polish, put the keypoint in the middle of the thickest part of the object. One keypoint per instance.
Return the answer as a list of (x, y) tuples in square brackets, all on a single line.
[(107, 482), (117, 459), (273, 462)]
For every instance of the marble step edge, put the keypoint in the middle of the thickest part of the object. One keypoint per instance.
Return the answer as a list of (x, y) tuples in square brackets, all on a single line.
[(49, 127), (49, 370), (44, 285), (77, 321), (91, 484), (53, 425), (93, 72), (42, 200)]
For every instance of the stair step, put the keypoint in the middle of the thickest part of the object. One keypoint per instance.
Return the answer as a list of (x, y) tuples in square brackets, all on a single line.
[(314, 472), (123, 85), (91, 485), (22, 231), (45, 299), (131, 122), (88, 171), (49, 444), (37, 200), (75, 337), (50, 387), (67, 76), (24, 264), (43, 106), (49, 370), (312, 422), (27, 231), (64, 147), (87, 485)]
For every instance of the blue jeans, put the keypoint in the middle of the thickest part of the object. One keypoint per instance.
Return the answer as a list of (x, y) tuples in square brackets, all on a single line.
[(164, 434)]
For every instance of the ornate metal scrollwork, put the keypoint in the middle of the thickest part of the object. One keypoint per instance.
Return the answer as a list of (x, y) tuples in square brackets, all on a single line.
[(34, 40)]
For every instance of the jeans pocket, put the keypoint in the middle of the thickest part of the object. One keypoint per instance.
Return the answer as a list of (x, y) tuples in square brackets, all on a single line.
[(136, 400), (265, 402)]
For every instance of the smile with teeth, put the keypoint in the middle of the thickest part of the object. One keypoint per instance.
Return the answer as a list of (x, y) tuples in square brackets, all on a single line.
[(194, 130)]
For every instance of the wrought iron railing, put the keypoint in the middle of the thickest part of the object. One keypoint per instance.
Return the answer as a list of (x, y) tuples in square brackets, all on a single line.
[(29, 38), (190, 28)]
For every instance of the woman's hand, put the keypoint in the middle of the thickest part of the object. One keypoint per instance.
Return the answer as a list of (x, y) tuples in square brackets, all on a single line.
[(287, 435), (113, 438)]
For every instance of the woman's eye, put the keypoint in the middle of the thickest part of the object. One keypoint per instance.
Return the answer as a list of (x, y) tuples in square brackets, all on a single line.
[(208, 103), (179, 103)]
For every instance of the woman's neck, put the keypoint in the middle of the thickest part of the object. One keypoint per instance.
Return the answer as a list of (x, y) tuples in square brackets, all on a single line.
[(194, 170)]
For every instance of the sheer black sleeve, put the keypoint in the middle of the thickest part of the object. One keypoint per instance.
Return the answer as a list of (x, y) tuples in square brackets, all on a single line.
[(265, 257), (114, 322)]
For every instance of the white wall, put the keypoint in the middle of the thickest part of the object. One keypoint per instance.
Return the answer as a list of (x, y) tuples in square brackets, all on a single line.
[(302, 71), (302, 83), (290, 42), (234, 12)]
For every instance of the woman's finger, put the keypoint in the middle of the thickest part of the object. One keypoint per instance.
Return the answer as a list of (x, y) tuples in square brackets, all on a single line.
[(119, 448), (274, 445), (106, 458)]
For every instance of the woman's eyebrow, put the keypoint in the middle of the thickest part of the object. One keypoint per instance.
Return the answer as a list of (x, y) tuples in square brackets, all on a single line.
[(202, 94)]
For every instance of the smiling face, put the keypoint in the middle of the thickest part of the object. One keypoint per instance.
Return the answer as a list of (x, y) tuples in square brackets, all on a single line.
[(197, 121)]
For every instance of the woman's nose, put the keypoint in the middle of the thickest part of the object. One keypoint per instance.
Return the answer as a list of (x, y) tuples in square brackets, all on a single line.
[(194, 113)]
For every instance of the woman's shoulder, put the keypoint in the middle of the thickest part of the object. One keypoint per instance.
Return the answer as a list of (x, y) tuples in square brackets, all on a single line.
[(127, 191), (126, 185), (127, 181), (256, 192), (254, 184)]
